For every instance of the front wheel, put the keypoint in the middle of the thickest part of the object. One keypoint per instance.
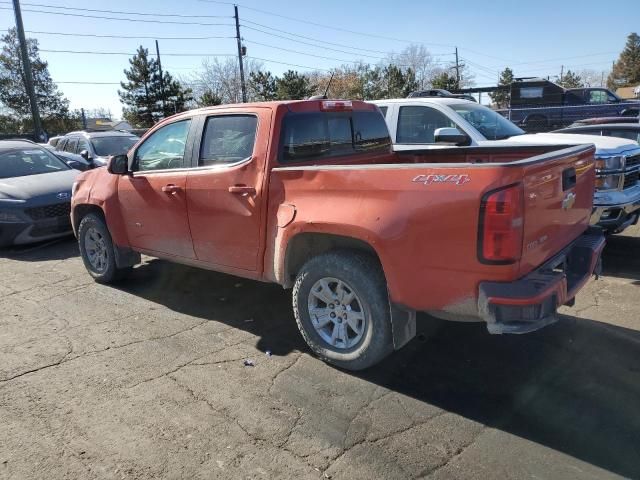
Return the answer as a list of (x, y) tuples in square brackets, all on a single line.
[(97, 251), (342, 309)]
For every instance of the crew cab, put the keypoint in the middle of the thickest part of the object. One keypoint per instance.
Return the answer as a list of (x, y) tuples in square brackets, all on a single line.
[(310, 195), (434, 123)]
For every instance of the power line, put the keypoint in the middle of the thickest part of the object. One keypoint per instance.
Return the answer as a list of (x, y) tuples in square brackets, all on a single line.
[(152, 37), (136, 20), (308, 38), (311, 54), (331, 27), (289, 64), (83, 52), (122, 12)]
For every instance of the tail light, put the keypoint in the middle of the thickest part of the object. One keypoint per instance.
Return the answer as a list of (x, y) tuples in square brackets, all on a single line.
[(501, 226)]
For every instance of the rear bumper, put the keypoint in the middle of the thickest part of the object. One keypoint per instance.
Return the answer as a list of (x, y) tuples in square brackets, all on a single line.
[(531, 302)]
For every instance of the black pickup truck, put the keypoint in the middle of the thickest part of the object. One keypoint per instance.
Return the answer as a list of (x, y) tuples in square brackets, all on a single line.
[(540, 105)]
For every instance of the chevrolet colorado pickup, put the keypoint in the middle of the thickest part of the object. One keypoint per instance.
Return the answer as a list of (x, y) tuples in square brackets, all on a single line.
[(428, 123), (310, 195)]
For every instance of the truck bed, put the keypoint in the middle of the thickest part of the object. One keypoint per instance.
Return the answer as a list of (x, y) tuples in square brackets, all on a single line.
[(435, 237)]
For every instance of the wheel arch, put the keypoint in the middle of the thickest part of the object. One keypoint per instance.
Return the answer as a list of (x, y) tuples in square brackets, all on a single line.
[(303, 246)]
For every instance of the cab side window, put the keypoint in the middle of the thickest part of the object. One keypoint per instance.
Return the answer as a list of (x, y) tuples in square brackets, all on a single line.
[(83, 145), (71, 145), (164, 149), (418, 124), (228, 139)]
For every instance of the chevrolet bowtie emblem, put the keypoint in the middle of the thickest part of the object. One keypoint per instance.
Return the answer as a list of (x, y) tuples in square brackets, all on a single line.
[(569, 201)]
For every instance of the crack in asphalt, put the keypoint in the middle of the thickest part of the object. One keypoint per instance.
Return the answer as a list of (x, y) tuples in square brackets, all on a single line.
[(430, 472), (93, 352)]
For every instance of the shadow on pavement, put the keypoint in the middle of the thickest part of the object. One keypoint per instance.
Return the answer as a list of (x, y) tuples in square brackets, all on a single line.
[(621, 257), (58, 249), (573, 387)]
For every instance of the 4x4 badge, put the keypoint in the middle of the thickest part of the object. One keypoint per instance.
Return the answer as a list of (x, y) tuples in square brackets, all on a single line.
[(459, 179)]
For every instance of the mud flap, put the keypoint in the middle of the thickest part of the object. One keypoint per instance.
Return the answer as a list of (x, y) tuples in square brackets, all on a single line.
[(403, 326), (125, 257)]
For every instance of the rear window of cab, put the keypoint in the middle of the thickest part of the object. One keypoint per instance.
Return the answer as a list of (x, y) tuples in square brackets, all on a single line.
[(311, 136)]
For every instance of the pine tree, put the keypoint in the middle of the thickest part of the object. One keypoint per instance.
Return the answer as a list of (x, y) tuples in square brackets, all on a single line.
[(570, 80), (445, 81), (13, 94), (294, 86), (626, 71), (501, 97), (143, 96), (209, 99), (263, 86)]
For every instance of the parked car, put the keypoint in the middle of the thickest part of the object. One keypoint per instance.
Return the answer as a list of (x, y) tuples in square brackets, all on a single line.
[(309, 194), (602, 120), (428, 123), (53, 141), (97, 146), (630, 131), (35, 193), (537, 104)]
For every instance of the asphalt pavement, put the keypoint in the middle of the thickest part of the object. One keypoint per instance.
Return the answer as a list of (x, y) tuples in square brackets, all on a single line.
[(148, 380)]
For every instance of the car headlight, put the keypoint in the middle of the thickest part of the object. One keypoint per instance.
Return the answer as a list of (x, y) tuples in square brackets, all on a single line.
[(9, 217), (608, 182), (610, 163)]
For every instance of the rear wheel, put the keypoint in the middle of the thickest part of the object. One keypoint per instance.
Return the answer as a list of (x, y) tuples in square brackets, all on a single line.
[(341, 306), (97, 251)]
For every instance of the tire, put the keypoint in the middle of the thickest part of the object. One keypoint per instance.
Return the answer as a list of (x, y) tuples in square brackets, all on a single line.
[(364, 332), (92, 231)]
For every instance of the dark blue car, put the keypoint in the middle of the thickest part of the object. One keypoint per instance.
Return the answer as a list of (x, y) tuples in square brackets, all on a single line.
[(35, 193)]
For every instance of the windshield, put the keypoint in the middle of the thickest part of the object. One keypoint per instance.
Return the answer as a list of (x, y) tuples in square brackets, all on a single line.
[(490, 124), (29, 161), (116, 145)]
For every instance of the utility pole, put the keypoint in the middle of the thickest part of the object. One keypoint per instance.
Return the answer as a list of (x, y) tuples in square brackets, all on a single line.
[(561, 72), (602, 79), (26, 70), (240, 54), (457, 70), (162, 93), (84, 119)]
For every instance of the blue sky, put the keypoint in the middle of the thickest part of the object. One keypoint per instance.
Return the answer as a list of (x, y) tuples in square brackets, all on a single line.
[(534, 38)]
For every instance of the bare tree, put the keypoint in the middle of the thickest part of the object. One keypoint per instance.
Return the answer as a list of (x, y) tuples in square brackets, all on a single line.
[(418, 58), (593, 78), (222, 78)]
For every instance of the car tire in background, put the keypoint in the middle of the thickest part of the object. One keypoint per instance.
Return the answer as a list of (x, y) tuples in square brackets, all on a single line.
[(341, 306), (97, 251)]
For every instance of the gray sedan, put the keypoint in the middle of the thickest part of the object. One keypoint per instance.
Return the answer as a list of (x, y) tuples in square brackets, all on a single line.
[(35, 193)]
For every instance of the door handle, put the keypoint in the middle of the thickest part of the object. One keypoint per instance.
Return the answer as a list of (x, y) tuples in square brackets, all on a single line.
[(242, 190), (171, 189)]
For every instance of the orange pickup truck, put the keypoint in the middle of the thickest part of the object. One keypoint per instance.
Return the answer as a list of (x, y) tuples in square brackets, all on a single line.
[(310, 195)]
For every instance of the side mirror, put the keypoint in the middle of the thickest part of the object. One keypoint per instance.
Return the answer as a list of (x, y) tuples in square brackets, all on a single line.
[(118, 165), (85, 154), (451, 136)]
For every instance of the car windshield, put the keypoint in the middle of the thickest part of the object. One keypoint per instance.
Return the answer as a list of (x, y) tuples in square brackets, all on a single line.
[(29, 161), (490, 124), (115, 145)]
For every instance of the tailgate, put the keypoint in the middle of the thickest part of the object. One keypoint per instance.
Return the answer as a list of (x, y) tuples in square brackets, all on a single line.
[(558, 198)]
